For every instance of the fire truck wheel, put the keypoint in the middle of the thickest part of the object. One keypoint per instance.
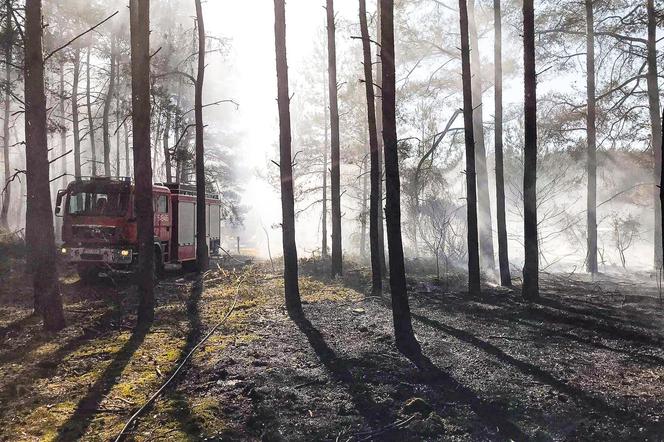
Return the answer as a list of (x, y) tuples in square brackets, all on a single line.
[(88, 274), (189, 266), (158, 266)]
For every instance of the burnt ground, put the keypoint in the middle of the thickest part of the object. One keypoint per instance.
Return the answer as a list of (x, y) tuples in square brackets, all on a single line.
[(584, 363)]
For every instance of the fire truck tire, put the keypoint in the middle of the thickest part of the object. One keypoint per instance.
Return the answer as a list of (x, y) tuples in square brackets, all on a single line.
[(88, 274), (189, 266), (158, 265)]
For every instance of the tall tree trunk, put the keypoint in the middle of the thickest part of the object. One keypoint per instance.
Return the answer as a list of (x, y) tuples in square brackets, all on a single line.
[(117, 118), (20, 207), (6, 185), (531, 256), (292, 291), (364, 213), (140, 105), (325, 171), (471, 190), (74, 113), (39, 235), (374, 155), (184, 173), (379, 132), (591, 159), (62, 130), (201, 240), (655, 123), (91, 126), (661, 187), (157, 138), (403, 328), (177, 125), (126, 143), (503, 254), (167, 155), (482, 179), (6, 197), (335, 173), (63, 123), (107, 108)]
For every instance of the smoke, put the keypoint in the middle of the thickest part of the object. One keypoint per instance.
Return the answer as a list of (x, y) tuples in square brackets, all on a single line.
[(242, 141)]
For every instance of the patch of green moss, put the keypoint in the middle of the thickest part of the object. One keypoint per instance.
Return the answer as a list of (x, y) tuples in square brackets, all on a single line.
[(315, 291), (45, 420), (106, 346)]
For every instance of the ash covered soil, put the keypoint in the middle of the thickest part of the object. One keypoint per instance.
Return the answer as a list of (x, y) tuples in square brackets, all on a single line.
[(586, 362)]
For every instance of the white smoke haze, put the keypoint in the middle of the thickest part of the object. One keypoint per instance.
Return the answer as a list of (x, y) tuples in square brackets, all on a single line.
[(242, 141)]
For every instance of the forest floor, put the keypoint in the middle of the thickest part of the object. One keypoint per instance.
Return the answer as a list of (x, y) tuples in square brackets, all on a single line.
[(586, 362)]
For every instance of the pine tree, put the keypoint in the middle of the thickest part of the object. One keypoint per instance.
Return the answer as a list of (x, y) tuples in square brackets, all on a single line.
[(471, 189), (39, 234), (503, 251), (335, 173), (140, 105), (292, 291), (403, 328), (531, 247), (374, 203)]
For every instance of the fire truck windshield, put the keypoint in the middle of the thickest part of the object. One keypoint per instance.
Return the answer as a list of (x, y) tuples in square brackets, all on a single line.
[(98, 203)]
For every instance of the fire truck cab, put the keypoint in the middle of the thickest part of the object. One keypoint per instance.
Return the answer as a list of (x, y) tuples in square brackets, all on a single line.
[(99, 229)]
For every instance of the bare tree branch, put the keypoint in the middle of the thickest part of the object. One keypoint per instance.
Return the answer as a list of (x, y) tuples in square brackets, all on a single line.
[(53, 52)]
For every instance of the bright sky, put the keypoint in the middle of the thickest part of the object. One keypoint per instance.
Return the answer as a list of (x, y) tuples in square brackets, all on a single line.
[(250, 70), (248, 73)]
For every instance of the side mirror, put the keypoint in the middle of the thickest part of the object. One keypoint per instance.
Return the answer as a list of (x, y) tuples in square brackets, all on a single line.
[(58, 201)]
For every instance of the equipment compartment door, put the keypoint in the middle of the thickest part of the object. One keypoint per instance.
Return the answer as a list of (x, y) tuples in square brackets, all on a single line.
[(186, 230)]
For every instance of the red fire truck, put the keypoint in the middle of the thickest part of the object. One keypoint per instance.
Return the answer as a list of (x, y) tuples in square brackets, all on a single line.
[(99, 229)]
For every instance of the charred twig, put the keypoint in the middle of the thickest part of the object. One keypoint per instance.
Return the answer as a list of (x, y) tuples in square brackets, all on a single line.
[(312, 382), (393, 426)]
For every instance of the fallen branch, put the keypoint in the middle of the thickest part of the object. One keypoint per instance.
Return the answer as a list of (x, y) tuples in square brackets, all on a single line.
[(509, 338), (313, 382), (393, 426)]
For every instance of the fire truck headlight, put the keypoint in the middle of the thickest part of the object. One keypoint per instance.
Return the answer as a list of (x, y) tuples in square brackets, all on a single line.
[(125, 252), (64, 250)]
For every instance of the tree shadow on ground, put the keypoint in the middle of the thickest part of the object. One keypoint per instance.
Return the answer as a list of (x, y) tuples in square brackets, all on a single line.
[(181, 411), (596, 320), (512, 312), (48, 365), (549, 309), (616, 327), (539, 374), (369, 371), (77, 424), (179, 408), (91, 325), (339, 370), (457, 392)]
